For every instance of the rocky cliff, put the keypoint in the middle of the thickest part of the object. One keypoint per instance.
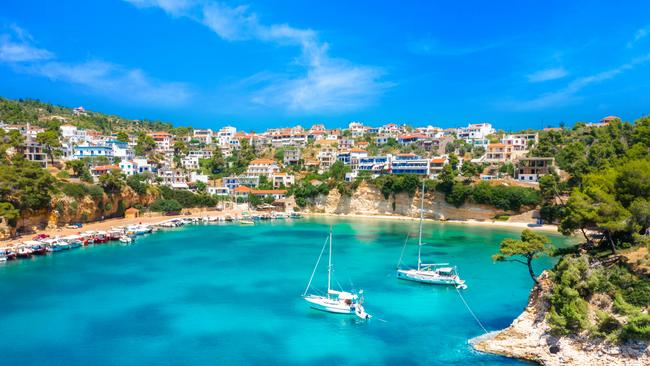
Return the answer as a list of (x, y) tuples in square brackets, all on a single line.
[(65, 210), (529, 337), (368, 200)]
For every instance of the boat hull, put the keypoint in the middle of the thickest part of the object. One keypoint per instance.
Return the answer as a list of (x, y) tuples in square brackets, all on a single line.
[(330, 306), (428, 277)]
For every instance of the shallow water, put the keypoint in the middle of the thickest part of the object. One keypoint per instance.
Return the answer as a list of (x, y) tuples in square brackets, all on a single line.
[(230, 294)]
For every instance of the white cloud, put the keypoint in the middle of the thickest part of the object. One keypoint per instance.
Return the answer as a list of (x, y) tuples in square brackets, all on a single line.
[(115, 81), (174, 7), (546, 75), (326, 84), (568, 94), (18, 50), (639, 35), (99, 77)]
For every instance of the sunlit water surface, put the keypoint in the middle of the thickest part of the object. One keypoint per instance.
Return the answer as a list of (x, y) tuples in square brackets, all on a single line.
[(230, 294)]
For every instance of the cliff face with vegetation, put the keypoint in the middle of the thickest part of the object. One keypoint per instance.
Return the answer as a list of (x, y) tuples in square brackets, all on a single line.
[(368, 200), (66, 209), (531, 337)]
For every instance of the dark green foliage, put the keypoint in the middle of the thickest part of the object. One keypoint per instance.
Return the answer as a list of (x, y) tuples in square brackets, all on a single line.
[(529, 246), (26, 185), (637, 327), (74, 190), (96, 192), (393, 184), (186, 198), (638, 292), (9, 213), (166, 205), (138, 183), (304, 192), (458, 195), (568, 309), (112, 182)]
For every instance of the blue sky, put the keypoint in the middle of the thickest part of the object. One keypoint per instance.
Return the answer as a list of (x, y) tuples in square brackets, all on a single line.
[(257, 64)]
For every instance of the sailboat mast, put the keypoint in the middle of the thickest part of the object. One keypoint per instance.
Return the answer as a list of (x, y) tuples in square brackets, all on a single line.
[(420, 233), (329, 267)]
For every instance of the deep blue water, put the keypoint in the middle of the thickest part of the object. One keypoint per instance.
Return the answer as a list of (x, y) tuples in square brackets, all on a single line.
[(230, 294)]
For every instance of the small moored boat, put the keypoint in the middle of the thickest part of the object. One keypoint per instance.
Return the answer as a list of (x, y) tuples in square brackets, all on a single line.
[(338, 302)]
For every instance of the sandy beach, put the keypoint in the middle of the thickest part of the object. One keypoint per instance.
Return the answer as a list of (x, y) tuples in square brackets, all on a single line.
[(506, 224)]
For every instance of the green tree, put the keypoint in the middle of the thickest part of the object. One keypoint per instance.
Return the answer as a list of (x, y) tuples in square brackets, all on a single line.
[(530, 246), (9, 213), (50, 140), (338, 170), (9, 140), (78, 167), (446, 178), (166, 205), (112, 182), (122, 137), (145, 145)]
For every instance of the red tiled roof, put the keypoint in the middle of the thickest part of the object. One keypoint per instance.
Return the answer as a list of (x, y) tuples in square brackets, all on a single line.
[(242, 189), (105, 167), (262, 162), (438, 160), (269, 191)]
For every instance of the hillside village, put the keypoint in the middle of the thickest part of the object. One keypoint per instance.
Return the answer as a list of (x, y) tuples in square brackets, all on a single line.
[(212, 160)]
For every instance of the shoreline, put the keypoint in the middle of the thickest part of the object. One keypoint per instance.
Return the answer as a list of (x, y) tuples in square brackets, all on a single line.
[(107, 224), (155, 218), (471, 222)]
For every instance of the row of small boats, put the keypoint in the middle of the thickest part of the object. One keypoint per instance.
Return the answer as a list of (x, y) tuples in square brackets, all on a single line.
[(43, 244)]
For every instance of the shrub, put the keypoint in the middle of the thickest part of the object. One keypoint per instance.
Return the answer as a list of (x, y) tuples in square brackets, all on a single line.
[(96, 192), (637, 327), (166, 205), (458, 194), (74, 190), (63, 174), (138, 183), (638, 293)]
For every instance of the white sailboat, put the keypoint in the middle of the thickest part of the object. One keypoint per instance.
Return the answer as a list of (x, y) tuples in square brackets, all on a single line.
[(434, 273), (339, 302)]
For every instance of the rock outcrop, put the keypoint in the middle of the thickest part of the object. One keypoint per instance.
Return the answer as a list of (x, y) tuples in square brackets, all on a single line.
[(66, 210), (368, 200), (529, 337)]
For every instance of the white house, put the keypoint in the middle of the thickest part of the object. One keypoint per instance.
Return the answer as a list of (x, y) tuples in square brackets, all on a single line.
[(262, 167)]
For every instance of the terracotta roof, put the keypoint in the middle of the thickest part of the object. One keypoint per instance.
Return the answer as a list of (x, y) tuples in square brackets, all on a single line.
[(438, 160), (356, 149), (242, 189), (496, 145), (609, 119), (412, 136), (106, 167), (262, 162), (269, 191)]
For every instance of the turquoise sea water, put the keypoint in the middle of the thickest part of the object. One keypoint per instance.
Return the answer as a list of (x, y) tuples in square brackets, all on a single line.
[(230, 294)]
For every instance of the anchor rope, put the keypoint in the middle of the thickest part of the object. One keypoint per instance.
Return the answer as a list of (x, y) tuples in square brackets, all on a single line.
[(470, 311)]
